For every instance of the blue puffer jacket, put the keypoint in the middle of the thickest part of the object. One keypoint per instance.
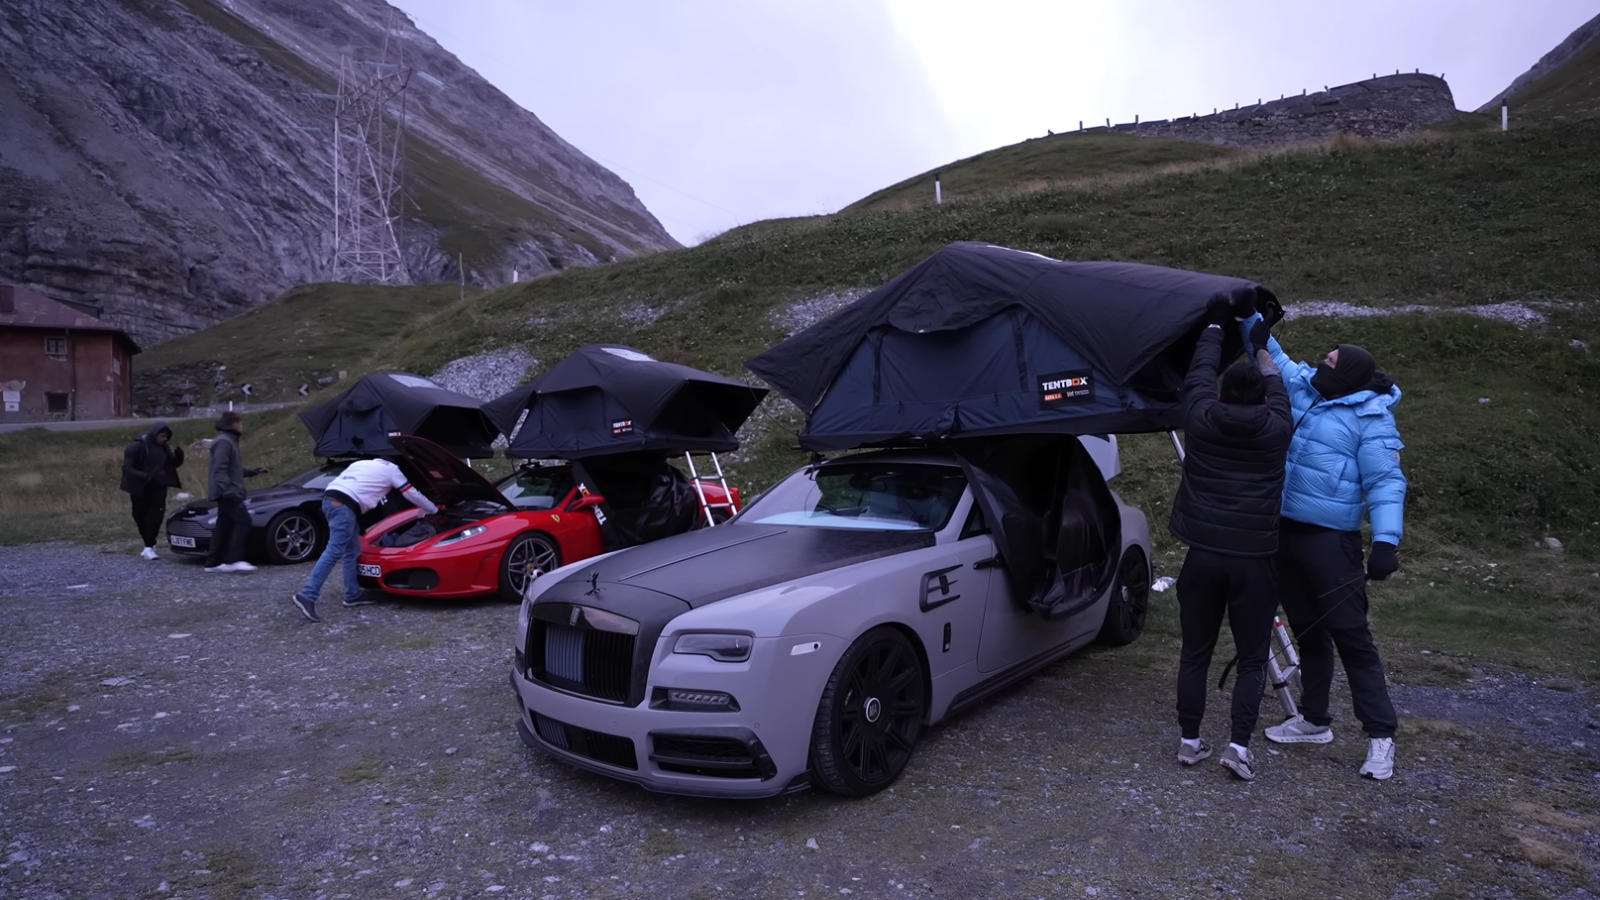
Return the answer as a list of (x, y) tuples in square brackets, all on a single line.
[(1344, 459)]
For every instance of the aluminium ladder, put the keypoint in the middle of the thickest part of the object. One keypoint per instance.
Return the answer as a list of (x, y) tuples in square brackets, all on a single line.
[(713, 475)]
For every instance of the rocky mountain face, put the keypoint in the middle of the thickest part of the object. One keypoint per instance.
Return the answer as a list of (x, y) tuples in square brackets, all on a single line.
[(1575, 43), (168, 162)]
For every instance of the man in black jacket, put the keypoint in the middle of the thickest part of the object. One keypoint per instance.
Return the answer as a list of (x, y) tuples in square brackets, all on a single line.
[(230, 536), (150, 466), (1227, 512)]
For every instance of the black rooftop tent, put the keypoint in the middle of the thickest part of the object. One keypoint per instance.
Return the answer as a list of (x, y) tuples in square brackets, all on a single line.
[(359, 421), (606, 399), (1003, 356), (983, 340)]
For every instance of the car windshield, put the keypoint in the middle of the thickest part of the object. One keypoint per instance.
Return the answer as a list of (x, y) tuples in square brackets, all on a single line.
[(878, 495), (537, 488)]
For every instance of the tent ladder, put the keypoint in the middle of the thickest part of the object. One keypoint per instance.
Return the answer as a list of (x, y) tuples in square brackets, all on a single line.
[(712, 475)]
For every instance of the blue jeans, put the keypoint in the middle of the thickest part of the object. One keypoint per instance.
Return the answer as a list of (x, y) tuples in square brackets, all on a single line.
[(344, 541)]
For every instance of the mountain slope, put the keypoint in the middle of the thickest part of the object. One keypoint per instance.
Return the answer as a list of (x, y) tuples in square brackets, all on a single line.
[(1565, 81), (168, 161)]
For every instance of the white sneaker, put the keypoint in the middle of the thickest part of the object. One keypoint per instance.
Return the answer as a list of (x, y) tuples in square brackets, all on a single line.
[(242, 566), (220, 567), (148, 553), (1380, 759), (1297, 730)]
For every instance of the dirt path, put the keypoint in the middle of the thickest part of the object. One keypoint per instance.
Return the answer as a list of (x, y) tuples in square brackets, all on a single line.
[(251, 754)]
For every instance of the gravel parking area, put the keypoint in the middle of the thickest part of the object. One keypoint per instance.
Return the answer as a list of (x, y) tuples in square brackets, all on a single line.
[(168, 733)]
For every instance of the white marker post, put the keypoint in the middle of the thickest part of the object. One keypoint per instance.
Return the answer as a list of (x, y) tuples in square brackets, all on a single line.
[(1505, 114), (938, 191)]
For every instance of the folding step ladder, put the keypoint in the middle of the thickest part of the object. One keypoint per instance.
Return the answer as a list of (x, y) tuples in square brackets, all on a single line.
[(713, 475)]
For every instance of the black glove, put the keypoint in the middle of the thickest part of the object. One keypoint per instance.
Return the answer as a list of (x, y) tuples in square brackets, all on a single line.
[(1245, 308), (1259, 332), (253, 471), (1219, 312), (1383, 561)]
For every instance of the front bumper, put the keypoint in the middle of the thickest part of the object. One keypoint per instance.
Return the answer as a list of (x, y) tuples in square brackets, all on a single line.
[(470, 571), (761, 750)]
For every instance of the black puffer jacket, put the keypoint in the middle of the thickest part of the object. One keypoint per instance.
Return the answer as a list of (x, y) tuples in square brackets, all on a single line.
[(1232, 486), (148, 464)]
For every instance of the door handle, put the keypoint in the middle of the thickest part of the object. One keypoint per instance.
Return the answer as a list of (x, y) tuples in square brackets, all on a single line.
[(993, 562)]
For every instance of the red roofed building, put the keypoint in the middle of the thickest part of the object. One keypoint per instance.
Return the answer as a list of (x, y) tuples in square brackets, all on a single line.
[(59, 364)]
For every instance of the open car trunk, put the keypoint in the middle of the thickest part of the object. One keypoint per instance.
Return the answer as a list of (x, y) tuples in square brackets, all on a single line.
[(462, 495), (450, 517)]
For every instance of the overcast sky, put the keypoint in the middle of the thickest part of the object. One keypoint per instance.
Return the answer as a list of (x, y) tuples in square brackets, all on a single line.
[(721, 112)]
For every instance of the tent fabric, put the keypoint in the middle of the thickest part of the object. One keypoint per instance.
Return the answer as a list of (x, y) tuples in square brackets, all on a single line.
[(980, 339), (359, 421), (646, 498), (1053, 519), (607, 398)]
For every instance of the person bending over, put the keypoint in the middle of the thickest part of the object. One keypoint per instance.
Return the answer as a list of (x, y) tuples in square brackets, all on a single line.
[(1227, 512), (1344, 465), (358, 489)]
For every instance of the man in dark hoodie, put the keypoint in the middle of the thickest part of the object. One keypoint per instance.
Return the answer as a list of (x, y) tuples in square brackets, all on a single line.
[(1227, 512), (1343, 467), (229, 537), (150, 466)]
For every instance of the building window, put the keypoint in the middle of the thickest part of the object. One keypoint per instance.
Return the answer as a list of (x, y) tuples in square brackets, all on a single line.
[(116, 365), (56, 347), (55, 403)]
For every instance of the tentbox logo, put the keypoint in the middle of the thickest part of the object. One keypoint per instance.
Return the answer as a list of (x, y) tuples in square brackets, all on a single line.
[(1065, 387), (623, 426)]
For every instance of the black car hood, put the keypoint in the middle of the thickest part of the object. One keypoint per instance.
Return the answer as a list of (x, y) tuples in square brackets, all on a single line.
[(441, 475), (708, 565)]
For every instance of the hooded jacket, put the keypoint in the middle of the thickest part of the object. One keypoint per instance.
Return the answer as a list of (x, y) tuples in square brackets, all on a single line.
[(1344, 460), (148, 464), (227, 465), (1232, 487)]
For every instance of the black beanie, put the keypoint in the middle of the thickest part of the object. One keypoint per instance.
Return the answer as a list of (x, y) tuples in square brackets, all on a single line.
[(1355, 370)]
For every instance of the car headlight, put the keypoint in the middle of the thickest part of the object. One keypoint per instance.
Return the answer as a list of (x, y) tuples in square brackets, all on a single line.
[(211, 522), (720, 647), (463, 534)]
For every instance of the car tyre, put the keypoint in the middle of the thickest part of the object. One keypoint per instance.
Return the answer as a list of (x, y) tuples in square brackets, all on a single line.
[(870, 715), (293, 536), (1130, 601), (529, 551)]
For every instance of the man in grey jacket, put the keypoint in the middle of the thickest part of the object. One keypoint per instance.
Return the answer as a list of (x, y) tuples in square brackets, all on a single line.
[(229, 537)]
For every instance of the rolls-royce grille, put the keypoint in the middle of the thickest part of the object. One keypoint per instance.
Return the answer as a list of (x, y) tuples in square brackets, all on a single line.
[(584, 661), (607, 748), (194, 528)]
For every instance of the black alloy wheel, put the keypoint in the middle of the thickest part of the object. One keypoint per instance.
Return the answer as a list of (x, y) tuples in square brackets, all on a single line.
[(292, 537), (1130, 601), (870, 715), (529, 556)]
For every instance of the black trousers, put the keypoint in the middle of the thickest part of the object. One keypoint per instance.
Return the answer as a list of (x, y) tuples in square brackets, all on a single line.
[(1323, 584), (149, 511), (232, 531), (1244, 590)]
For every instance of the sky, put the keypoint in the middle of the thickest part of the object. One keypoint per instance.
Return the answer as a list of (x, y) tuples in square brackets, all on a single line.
[(724, 112)]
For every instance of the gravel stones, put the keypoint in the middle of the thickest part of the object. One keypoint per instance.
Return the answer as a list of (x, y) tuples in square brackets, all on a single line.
[(487, 375), (1518, 314)]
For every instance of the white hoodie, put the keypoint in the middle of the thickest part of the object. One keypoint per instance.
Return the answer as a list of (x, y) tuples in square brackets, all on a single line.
[(368, 481)]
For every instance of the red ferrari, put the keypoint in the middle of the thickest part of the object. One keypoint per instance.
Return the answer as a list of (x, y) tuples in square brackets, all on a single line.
[(486, 539)]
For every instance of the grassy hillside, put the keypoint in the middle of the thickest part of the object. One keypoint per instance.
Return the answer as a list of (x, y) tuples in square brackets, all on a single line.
[(1044, 162), (1571, 91)]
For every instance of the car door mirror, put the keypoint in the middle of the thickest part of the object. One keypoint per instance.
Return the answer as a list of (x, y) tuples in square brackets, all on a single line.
[(587, 501)]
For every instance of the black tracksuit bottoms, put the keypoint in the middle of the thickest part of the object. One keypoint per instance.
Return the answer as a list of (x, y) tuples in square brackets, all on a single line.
[(230, 537), (149, 511), (1244, 589), (1323, 584)]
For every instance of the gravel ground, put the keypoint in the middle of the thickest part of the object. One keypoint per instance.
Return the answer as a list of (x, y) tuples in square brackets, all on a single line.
[(167, 733)]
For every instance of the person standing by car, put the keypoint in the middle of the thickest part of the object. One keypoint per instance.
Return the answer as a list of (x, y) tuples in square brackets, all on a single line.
[(358, 489), (229, 538), (150, 466), (1344, 465), (1227, 512)]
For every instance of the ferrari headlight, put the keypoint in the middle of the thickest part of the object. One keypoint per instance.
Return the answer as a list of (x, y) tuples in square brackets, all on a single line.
[(720, 647), (463, 534)]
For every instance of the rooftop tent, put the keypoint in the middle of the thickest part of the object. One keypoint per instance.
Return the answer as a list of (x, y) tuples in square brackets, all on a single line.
[(983, 340), (359, 421), (606, 399)]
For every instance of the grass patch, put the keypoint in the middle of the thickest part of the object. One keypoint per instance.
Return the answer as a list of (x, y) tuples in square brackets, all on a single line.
[(134, 760), (225, 873), (366, 770), (49, 694)]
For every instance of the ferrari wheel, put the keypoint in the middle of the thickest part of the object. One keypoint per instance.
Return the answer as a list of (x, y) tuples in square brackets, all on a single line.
[(1130, 601), (292, 537), (870, 715), (528, 556)]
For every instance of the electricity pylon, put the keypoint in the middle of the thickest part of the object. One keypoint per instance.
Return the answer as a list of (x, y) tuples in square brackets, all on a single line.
[(369, 123)]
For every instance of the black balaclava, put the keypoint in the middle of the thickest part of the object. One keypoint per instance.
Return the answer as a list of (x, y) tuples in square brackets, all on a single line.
[(1355, 370)]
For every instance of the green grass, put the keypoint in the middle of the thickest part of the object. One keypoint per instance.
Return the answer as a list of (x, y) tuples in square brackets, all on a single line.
[(1571, 90), (1044, 162)]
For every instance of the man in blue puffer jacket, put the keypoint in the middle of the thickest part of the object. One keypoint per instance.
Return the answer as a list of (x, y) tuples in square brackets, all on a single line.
[(1343, 466)]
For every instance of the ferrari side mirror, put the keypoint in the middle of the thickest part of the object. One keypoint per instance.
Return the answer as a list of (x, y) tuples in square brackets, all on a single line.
[(587, 501)]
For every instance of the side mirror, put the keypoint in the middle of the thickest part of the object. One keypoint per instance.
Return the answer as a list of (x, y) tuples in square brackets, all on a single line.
[(586, 501)]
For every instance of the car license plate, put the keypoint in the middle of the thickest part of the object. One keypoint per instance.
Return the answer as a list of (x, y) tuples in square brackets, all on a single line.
[(178, 541), (371, 571)]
